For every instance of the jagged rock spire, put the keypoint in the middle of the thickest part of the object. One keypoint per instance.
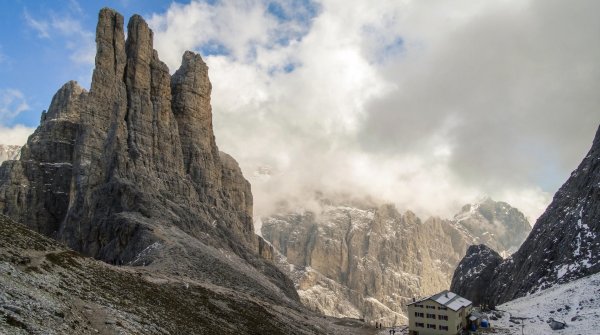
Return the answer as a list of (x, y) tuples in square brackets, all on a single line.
[(136, 151), (110, 51)]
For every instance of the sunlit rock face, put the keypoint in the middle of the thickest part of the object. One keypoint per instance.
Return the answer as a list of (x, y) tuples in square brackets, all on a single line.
[(564, 244), (368, 262)]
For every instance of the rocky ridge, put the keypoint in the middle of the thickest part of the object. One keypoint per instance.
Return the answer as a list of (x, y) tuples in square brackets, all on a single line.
[(564, 244), (130, 173), (368, 262)]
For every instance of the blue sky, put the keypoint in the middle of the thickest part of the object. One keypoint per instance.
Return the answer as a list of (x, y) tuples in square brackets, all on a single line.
[(426, 104), (47, 43), (37, 59)]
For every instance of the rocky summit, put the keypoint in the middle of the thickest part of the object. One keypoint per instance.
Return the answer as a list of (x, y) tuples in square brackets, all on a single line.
[(366, 261), (564, 244), (129, 173), (496, 224)]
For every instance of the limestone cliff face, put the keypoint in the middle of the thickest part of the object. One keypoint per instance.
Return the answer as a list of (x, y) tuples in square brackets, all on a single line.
[(367, 262), (9, 152), (370, 261), (130, 172), (564, 244)]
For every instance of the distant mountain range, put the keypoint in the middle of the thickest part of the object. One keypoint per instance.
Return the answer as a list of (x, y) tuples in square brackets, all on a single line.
[(367, 262)]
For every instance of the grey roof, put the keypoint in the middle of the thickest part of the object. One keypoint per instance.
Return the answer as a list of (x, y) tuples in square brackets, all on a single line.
[(448, 299)]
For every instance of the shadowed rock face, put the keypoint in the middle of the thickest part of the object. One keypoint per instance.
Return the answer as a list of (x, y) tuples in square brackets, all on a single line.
[(474, 272), (564, 244), (130, 172)]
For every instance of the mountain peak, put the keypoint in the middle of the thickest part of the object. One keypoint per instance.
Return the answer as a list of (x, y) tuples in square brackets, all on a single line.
[(563, 245), (494, 223), (130, 172)]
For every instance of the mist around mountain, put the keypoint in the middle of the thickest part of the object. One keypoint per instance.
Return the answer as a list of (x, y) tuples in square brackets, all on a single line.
[(495, 224), (564, 244), (357, 259)]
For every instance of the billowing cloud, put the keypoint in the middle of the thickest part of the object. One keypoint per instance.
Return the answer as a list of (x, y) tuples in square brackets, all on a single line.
[(515, 84), (424, 104), (12, 103), (15, 135), (249, 32)]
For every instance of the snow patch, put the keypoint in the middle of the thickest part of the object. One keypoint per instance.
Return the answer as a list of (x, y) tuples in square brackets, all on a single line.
[(576, 303)]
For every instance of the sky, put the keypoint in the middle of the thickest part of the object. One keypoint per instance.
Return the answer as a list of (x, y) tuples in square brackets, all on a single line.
[(425, 104)]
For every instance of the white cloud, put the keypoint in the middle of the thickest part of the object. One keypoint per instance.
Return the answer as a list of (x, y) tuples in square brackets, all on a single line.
[(240, 28), (425, 104), (41, 26), (75, 7), (12, 102), (15, 135), (77, 39)]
